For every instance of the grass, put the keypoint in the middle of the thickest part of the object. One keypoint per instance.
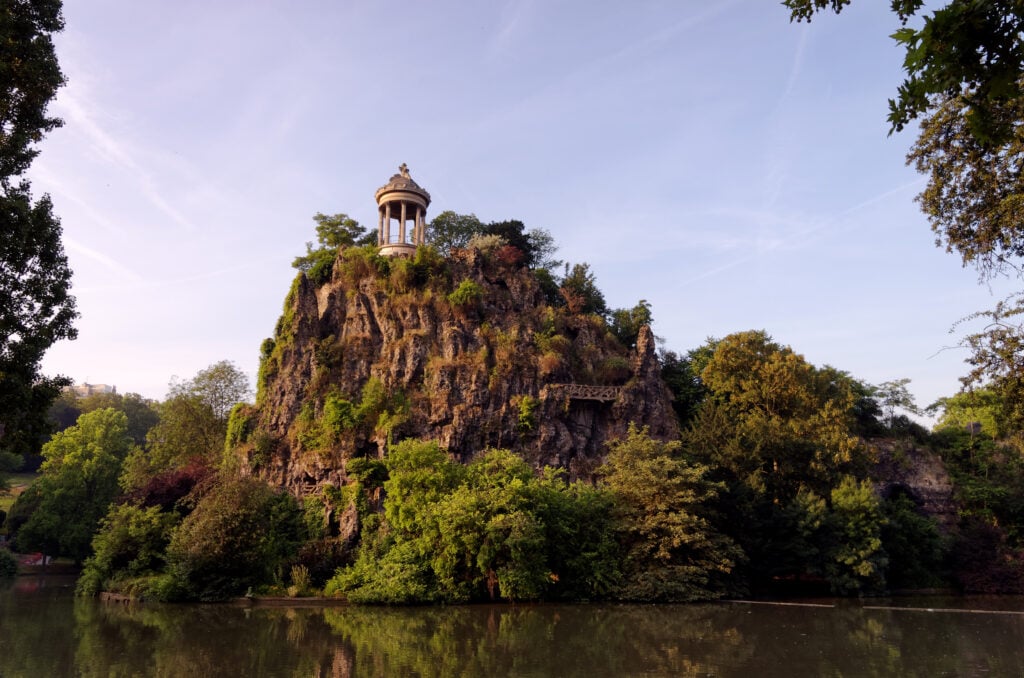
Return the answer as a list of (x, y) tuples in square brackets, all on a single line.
[(18, 482)]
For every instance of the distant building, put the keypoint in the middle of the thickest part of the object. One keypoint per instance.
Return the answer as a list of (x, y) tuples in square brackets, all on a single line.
[(83, 390)]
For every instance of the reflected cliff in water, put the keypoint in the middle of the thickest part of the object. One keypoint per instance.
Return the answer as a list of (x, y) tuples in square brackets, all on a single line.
[(46, 631)]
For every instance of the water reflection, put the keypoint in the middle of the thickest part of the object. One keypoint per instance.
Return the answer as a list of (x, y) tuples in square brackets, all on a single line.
[(45, 631)]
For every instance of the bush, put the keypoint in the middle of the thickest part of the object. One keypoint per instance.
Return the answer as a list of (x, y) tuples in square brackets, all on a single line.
[(240, 535), (8, 565), (129, 543), (466, 294)]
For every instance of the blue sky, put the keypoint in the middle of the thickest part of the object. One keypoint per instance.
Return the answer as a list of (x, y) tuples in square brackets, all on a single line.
[(729, 167)]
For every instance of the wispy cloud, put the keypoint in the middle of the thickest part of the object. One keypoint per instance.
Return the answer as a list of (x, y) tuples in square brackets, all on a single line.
[(76, 110), (800, 237), (107, 262)]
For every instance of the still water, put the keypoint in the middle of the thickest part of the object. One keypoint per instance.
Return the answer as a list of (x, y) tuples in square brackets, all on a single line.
[(46, 631)]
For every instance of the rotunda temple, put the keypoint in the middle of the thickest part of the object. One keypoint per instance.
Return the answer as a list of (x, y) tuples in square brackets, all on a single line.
[(401, 200)]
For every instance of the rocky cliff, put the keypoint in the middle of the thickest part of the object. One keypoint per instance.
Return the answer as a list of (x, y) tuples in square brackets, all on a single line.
[(465, 350)]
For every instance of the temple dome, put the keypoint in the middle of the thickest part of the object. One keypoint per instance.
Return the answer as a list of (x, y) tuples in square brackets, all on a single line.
[(403, 183)]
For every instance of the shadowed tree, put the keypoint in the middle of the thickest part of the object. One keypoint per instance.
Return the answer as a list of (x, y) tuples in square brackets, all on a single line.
[(36, 309)]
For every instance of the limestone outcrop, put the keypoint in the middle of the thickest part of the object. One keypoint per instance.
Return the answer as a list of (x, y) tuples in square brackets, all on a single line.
[(466, 351)]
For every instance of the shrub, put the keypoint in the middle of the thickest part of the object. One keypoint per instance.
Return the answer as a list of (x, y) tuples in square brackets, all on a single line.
[(239, 536), (129, 543), (167, 490), (466, 294), (527, 419), (8, 565), (320, 272)]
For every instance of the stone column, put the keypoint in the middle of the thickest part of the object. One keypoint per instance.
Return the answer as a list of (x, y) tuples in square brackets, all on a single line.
[(380, 226), (387, 223), (402, 227)]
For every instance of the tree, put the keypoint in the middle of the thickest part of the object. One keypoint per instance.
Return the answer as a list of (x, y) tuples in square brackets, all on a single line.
[(30, 76), (580, 291), (333, 232), (537, 245), (220, 387), (893, 395), (778, 432), (193, 422), (963, 411), (672, 551), (142, 413), (239, 535), (36, 309), (626, 322), (78, 483), (449, 230), (962, 48)]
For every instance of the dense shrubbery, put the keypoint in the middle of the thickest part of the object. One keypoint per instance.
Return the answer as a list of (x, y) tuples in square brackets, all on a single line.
[(8, 565)]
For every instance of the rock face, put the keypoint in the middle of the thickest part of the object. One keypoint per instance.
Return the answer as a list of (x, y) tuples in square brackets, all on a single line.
[(465, 351), (918, 472)]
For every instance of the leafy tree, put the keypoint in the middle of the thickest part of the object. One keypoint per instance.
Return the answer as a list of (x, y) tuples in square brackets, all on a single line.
[(240, 535), (31, 77), (130, 543), (142, 413), (682, 377), (580, 291), (626, 322), (220, 387), (193, 422), (913, 545), (961, 47), (661, 502), (778, 432), (965, 410), (449, 230), (855, 560), (481, 531), (78, 483), (965, 72), (333, 232), (36, 309), (893, 396)]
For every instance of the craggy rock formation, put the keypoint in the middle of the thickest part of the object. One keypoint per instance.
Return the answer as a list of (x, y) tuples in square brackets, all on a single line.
[(465, 351), (918, 472)]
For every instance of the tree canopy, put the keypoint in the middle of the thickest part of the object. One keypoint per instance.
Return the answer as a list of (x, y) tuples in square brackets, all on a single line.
[(963, 47), (333, 232), (79, 480), (36, 308)]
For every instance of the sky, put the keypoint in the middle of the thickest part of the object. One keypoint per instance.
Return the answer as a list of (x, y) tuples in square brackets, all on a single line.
[(730, 167)]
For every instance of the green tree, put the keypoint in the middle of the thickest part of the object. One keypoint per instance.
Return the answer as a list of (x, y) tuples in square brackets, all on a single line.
[(193, 422), (961, 46), (976, 407), (778, 432), (240, 535), (580, 291), (661, 502), (855, 560), (130, 543), (333, 232), (626, 322), (36, 309), (490, 529), (893, 396), (449, 230), (141, 412), (78, 483)]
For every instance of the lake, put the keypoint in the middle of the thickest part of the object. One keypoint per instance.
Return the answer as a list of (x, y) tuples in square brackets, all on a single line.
[(46, 631)]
